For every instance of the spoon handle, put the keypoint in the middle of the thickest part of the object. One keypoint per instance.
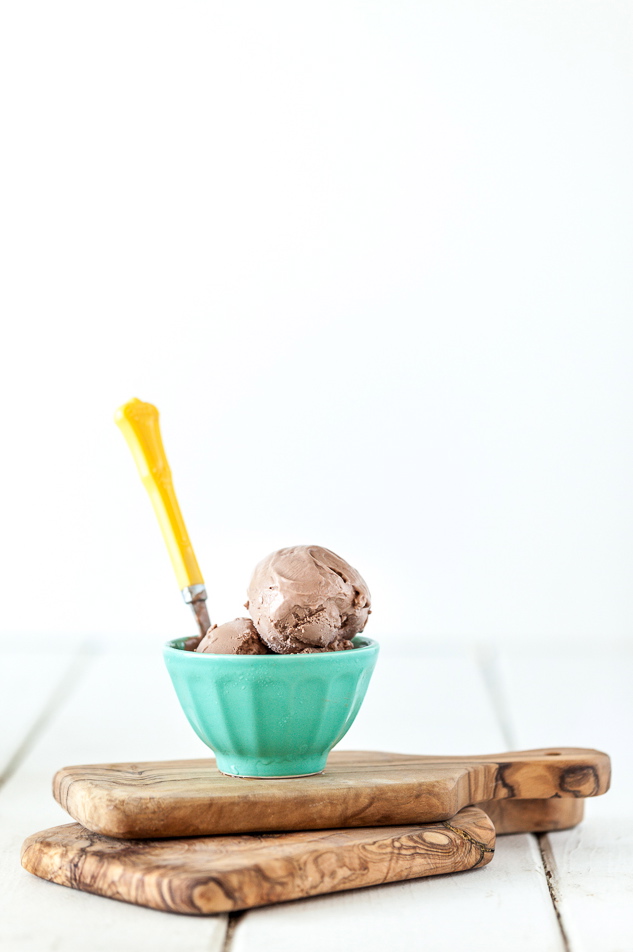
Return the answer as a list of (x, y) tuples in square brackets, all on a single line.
[(140, 426)]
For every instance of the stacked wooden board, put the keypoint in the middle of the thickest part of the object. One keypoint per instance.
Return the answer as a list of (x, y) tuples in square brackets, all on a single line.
[(182, 837)]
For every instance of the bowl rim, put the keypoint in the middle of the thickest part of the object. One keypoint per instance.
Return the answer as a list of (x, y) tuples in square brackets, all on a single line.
[(361, 643)]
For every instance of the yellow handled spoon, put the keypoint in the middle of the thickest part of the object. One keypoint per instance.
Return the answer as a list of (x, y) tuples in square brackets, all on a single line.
[(139, 424)]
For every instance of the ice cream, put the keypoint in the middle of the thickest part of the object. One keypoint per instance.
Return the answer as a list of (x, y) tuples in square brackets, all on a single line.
[(233, 637), (303, 600), (307, 599)]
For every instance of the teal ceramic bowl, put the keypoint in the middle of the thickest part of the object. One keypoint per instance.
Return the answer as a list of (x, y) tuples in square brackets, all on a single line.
[(271, 715)]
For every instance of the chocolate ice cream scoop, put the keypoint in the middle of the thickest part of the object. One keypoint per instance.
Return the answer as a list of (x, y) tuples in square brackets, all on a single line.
[(233, 637), (307, 599)]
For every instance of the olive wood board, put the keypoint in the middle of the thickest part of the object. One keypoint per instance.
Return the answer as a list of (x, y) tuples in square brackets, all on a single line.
[(209, 874), (357, 788), (533, 816)]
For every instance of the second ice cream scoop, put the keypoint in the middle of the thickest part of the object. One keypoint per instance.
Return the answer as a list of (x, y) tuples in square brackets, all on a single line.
[(233, 637), (305, 598)]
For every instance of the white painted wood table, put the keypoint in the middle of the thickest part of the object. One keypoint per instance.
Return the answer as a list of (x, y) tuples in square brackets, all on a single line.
[(564, 891)]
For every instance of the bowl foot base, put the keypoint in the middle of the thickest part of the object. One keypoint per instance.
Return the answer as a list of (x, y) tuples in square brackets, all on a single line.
[(256, 768), (294, 776)]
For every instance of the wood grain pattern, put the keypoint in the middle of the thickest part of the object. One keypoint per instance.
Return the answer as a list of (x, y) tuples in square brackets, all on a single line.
[(222, 873), (533, 816), (192, 798)]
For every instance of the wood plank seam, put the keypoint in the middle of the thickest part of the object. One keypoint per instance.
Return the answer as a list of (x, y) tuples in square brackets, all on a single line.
[(66, 684), (487, 659), (549, 866), (234, 919)]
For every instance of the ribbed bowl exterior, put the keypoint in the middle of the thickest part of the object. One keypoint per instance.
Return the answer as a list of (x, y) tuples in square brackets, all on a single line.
[(271, 715)]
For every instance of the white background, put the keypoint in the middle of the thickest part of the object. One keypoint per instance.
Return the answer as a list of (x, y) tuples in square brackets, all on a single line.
[(371, 260)]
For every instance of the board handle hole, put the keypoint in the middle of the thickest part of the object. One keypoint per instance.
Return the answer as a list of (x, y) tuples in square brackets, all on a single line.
[(553, 753)]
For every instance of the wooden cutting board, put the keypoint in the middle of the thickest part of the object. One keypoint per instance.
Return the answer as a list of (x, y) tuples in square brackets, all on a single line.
[(533, 816), (223, 873), (192, 798)]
